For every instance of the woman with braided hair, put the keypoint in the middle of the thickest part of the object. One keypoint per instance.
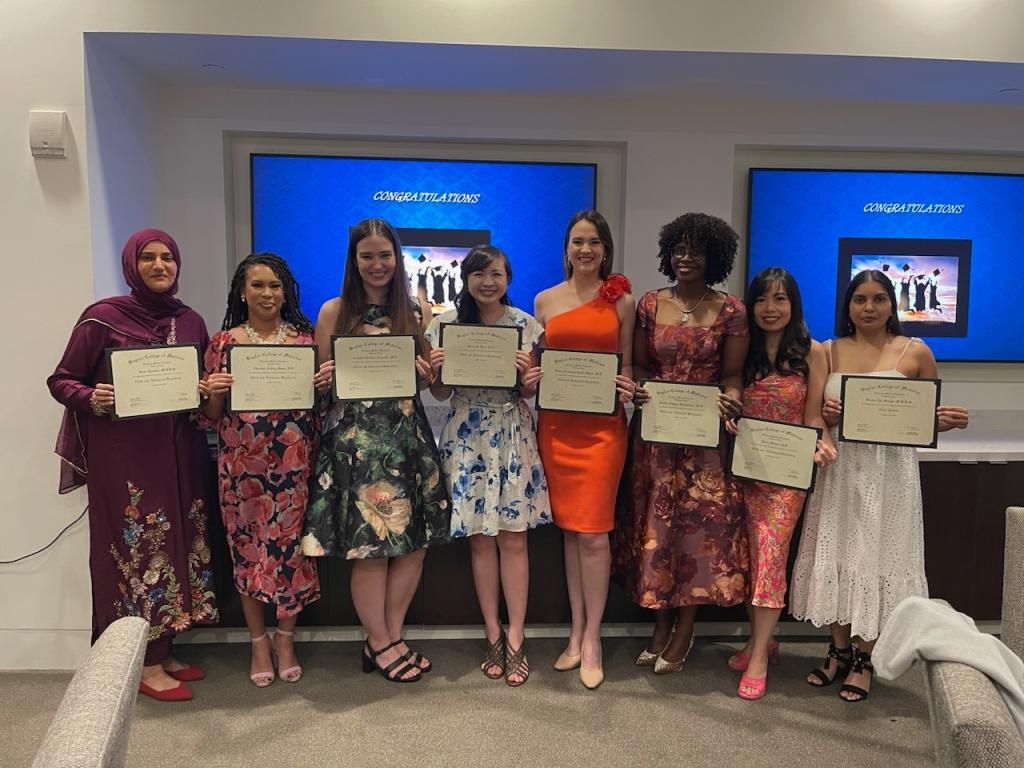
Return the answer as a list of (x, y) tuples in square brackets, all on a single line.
[(263, 465)]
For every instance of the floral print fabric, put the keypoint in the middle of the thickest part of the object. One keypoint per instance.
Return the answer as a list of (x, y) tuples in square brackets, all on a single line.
[(772, 512), (263, 466), (489, 450), (149, 583), (679, 535), (376, 488)]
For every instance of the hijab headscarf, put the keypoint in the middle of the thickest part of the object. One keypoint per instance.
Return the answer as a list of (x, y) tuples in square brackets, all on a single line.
[(144, 315)]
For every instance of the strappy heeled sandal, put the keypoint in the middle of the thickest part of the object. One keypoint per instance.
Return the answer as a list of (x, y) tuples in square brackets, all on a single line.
[(417, 659), (395, 671), (494, 656), (861, 663), (262, 679), (844, 660), (288, 674), (516, 664)]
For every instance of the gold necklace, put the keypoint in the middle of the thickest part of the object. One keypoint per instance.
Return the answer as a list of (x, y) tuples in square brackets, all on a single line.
[(684, 311)]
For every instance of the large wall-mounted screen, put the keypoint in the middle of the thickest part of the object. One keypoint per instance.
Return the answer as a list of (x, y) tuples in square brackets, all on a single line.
[(950, 243), (304, 205)]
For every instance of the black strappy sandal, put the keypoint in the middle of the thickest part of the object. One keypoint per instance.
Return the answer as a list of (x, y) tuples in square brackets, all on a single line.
[(861, 663), (494, 657), (417, 659), (393, 671), (844, 660)]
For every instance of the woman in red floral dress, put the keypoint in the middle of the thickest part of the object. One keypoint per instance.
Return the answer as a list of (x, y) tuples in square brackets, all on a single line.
[(263, 466), (679, 539)]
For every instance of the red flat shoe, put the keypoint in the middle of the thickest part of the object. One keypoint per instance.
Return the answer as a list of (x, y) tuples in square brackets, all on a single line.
[(187, 674), (180, 692)]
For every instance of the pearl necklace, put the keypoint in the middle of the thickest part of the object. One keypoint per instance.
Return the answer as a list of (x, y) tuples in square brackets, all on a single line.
[(682, 308), (255, 338)]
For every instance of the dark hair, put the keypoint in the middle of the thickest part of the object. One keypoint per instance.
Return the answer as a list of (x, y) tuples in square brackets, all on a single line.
[(238, 311), (353, 294), (892, 325), (477, 259), (795, 344), (709, 235), (604, 234)]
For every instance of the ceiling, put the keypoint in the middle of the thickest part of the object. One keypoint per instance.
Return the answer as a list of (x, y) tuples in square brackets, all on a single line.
[(262, 62)]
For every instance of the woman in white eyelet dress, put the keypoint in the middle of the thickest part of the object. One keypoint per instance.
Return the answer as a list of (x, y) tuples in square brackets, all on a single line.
[(862, 547)]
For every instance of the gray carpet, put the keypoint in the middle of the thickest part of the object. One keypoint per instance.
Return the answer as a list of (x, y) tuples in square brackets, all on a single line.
[(337, 716)]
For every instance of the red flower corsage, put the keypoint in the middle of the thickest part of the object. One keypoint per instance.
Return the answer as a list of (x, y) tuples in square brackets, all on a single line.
[(614, 286)]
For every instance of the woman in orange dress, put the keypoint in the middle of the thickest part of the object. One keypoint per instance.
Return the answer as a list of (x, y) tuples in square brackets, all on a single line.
[(583, 455)]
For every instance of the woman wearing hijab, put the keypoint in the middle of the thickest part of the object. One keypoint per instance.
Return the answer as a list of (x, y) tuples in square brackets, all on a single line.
[(148, 550)]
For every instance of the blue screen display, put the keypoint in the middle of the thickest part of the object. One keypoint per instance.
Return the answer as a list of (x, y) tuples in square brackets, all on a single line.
[(303, 207), (949, 242)]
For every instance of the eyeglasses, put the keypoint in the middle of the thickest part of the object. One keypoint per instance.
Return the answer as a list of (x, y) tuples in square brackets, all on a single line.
[(682, 250)]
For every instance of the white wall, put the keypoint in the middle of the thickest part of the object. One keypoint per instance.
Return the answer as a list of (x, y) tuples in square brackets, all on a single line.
[(62, 238)]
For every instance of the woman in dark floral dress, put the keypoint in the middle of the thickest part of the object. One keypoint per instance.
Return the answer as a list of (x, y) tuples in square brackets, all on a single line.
[(148, 551), (263, 466), (680, 539), (377, 495)]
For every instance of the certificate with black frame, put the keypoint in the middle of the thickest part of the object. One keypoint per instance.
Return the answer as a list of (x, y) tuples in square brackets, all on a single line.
[(480, 355), (578, 381), (775, 452), (681, 413), (271, 377), (890, 410), (381, 367), (150, 381)]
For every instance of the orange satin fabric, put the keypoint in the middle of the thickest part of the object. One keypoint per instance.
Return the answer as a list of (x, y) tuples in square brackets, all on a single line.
[(583, 455)]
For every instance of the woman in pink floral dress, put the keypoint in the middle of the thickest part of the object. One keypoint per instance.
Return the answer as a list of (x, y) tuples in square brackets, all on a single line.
[(680, 539), (263, 466), (785, 376)]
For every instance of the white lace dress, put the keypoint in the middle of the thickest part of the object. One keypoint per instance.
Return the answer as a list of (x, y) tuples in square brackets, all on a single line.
[(862, 548)]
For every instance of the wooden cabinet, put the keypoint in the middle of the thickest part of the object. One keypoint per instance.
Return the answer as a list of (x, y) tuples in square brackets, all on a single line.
[(965, 531), (964, 521)]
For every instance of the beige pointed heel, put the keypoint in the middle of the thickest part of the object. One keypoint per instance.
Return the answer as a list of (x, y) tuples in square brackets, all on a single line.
[(566, 662)]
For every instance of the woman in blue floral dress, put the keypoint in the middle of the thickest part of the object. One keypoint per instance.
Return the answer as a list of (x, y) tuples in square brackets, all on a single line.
[(490, 457), (376, 494)]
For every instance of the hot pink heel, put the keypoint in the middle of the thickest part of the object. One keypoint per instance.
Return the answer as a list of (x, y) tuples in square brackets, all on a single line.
[(752, 688), (739, 661)]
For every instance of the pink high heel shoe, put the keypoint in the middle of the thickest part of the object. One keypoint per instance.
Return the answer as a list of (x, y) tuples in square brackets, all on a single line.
[(752, 688), (738, 661)]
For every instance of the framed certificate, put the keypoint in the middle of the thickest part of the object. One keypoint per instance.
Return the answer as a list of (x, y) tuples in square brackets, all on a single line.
[(775, 452), (680, 413), (149, 381), (480, 355), (271, 377), (578, 381), (374, 367), (890, 410)]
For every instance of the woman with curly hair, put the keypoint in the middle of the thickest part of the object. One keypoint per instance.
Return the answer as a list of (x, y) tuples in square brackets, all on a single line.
[(583, 455), (263, 465), (680, 539)]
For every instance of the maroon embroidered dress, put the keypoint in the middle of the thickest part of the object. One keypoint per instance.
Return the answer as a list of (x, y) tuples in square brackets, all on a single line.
[(148, 551), (680, 537), (262, 478)]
